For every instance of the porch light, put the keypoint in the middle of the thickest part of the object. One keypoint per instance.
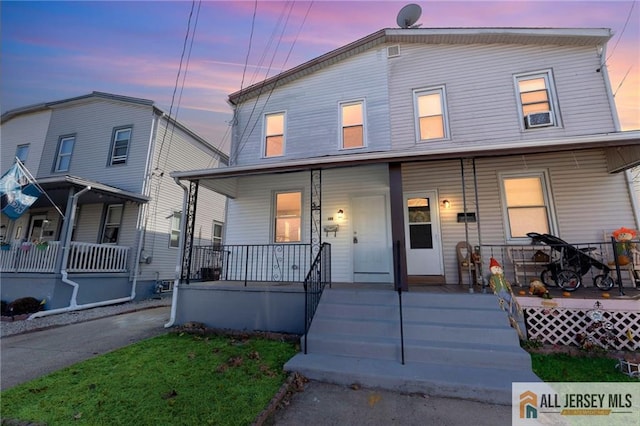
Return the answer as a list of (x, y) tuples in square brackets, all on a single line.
[(340, 214), (446, 204)]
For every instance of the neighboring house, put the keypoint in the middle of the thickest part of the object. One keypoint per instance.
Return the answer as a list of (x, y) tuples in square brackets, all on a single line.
[(417, 139), (103, 161)]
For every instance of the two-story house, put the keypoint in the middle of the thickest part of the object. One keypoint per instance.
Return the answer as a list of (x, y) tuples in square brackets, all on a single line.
[(107, 227), (374, 164)]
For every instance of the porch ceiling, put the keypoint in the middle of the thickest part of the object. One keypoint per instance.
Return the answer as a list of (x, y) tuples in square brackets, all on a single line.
[(57, 188), (223, 180)]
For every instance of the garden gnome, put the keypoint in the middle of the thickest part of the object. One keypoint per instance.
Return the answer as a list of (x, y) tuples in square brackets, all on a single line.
[(502, 289), (624, 245)]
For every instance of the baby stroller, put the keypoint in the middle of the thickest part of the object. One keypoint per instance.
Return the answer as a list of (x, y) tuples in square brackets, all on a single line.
[(569, 264)]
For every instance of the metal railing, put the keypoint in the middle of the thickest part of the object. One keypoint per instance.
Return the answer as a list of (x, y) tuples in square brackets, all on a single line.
[(318, 276), (282, 263), (525, 263)]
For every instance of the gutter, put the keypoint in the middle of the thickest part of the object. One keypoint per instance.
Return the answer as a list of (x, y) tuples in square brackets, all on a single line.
[(73, 305), (176, 282)]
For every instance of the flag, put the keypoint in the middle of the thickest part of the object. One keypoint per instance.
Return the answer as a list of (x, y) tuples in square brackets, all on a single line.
[(18, 192)]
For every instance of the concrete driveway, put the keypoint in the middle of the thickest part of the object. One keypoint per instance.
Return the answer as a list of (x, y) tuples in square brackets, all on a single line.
[(27, 356)]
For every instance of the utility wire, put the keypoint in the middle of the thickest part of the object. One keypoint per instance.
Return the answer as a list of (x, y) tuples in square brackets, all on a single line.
[(621, 32)]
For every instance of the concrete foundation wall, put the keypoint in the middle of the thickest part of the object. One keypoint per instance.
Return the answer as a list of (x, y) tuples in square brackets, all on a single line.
[(241, 308)]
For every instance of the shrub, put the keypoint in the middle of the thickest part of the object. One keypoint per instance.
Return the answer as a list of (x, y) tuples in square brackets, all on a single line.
[(24, 305)]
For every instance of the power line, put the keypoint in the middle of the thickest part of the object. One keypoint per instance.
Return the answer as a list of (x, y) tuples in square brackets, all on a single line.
[(621, 32)]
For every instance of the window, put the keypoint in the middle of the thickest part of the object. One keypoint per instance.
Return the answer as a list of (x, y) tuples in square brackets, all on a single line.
[(216, 236), (65, 149), (536, 100), (431, 114), (174, 233), (21, 152), (527, 205), (274, 135), (352, 117), (120, 146), (112, 222), (288, 215)]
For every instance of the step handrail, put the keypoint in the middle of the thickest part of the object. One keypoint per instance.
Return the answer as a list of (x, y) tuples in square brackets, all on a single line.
[(318, 276)]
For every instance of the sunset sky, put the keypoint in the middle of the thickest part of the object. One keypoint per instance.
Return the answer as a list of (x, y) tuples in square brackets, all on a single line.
[(53, 50)]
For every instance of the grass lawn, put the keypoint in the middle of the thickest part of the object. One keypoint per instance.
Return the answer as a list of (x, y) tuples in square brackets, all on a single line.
[(566, 368), (171, 379)]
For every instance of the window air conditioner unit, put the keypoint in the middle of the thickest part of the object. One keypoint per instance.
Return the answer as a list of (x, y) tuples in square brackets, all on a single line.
[(539, 119)]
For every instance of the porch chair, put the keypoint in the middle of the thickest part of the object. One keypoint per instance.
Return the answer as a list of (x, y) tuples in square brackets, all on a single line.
[(466, 262)]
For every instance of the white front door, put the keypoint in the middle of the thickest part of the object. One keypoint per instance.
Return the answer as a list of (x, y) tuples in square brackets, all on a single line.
[(371, 249), (36, 227), (422, 233)]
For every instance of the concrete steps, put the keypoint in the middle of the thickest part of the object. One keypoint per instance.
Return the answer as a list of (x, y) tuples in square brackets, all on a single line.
[(456, 345)]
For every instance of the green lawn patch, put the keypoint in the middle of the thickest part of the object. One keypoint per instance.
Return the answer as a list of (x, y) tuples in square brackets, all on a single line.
[(171, 379), (566, 368)]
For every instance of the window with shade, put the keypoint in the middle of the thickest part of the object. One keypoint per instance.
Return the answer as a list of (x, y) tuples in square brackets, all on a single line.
[(288, 217), (431, 114), (527, 205), (274, 135), (352, 117)]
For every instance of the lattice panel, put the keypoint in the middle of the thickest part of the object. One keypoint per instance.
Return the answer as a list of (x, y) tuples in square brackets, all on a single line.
[(561, 326)]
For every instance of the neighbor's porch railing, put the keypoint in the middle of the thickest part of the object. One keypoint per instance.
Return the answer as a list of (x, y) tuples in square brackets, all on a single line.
[(283, 263), (83, 257)]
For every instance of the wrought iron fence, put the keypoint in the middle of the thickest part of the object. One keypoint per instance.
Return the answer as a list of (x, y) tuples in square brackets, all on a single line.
[(283, 263), (318, 276)]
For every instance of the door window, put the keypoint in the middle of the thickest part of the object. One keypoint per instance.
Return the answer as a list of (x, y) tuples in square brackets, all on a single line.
[(420, 226)]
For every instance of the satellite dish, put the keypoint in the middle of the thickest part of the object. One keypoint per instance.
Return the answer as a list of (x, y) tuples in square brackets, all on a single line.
[(409, 15)]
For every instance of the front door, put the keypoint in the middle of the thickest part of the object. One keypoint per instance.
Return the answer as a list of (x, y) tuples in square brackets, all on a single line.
[(371, 250), (37, 227), (422, 233)]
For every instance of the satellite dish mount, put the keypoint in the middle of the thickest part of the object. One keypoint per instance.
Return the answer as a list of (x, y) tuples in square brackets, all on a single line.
[(409, 15)]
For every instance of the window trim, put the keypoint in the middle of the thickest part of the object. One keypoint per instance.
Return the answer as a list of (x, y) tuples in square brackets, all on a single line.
[(547, 196), (25, 147), (547, 75), (274, 214), (178, 214), (56, 164), (441, 90), (360, 102), (265, 135), (105, 223), (214, 239), (112, 148)]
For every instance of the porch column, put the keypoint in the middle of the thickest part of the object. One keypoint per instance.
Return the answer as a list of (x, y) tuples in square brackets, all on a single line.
[(397, 227), (316, 213), (189, 227)]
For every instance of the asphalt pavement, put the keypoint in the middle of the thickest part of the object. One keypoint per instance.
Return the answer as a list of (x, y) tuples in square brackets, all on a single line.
[(30, 355)]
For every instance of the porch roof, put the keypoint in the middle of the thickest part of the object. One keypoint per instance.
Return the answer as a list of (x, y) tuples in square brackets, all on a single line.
[(57, 188), (223, 180)]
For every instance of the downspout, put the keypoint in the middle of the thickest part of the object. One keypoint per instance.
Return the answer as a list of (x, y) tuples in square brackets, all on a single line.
[(73, 305), (176, 282)]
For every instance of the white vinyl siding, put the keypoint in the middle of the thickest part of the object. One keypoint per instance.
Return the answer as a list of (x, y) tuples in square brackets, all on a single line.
[(31, 128), (65, 150), (120, 146), (352, 118)]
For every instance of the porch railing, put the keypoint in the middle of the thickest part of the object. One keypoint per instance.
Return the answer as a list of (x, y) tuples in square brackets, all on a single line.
[(43, 258), (29, 257), (524, 263), (87, 257), (318, 276), (283, 263)]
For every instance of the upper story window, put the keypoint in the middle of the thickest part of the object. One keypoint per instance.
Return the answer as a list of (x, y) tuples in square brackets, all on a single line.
[(174, 233), (288, 217), (112, 224), (352, 118), (527, 204), (120, 146), (431, 114), (537, 100), (65, 149), (274, 136), (22, 151)]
